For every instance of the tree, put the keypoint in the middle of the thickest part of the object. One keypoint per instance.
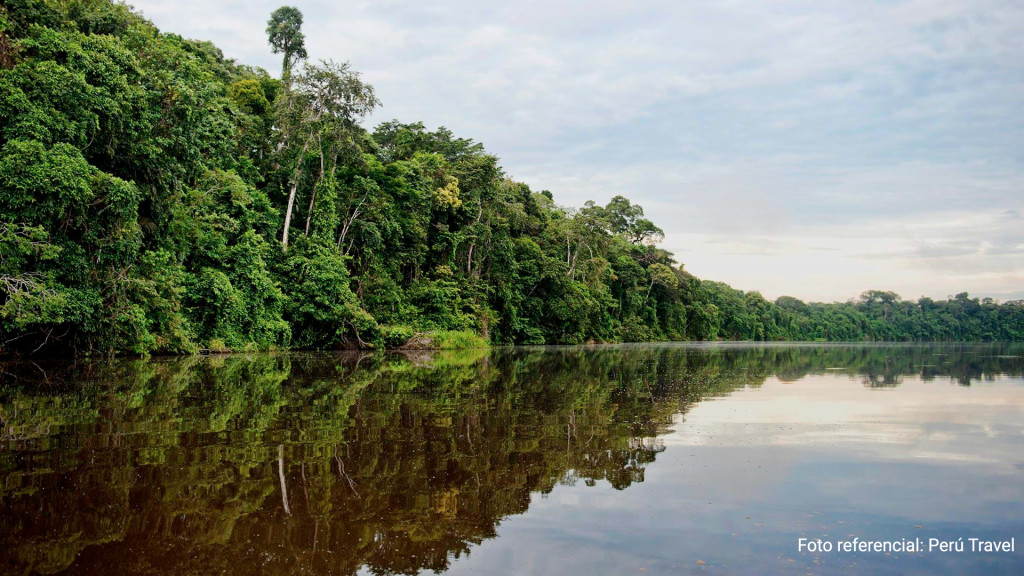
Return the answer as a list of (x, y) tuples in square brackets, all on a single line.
[(662, 275), (284, 33), (627, 219), (325, 112)]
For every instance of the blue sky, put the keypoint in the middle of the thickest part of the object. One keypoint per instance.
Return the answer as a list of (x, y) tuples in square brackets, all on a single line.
[(807, 148)]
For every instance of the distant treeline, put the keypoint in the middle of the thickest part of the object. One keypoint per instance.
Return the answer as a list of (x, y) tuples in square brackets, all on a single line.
[(876, 316), (157, 197)]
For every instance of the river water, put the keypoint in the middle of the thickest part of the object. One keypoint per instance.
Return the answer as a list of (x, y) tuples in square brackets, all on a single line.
[(632, 459)]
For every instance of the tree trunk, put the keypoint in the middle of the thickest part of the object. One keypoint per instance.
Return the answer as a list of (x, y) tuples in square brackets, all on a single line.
[(291, 195), (312, 199), (572, 268), (469, 259), (348, 223), (288, 211)]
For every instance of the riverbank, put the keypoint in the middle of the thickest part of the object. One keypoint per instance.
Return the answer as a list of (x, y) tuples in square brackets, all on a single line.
[(393, 338)]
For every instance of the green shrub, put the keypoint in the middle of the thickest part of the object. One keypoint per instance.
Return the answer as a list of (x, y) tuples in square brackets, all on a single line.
[(395, 336), (457, 340), (218, 345)]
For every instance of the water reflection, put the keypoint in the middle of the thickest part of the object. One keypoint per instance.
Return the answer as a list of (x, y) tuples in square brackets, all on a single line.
[(326, 464)]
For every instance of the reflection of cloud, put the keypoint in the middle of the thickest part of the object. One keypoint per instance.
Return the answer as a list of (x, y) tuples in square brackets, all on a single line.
[(945, 424), (746, 475)]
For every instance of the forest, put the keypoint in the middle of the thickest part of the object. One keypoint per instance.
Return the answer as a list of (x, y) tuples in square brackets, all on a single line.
[(159, 198)]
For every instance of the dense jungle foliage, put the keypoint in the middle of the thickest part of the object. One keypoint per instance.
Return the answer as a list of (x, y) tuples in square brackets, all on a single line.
[(156, 197)]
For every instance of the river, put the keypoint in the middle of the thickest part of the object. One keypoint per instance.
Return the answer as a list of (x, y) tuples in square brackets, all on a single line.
[(630, 459)]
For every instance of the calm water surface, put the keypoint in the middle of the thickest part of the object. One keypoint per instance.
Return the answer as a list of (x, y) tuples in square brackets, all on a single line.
[(653, 459)]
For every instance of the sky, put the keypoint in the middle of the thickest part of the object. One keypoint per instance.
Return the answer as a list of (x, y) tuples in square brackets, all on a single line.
[(813, 148)]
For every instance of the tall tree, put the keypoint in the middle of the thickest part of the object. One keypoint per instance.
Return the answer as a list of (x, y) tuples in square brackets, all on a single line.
[(284, 33)]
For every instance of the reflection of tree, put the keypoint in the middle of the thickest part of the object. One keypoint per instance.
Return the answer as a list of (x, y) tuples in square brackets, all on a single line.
[(395, 463)]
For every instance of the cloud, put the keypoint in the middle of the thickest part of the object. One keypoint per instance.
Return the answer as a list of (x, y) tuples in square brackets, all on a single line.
[(869, 128)]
